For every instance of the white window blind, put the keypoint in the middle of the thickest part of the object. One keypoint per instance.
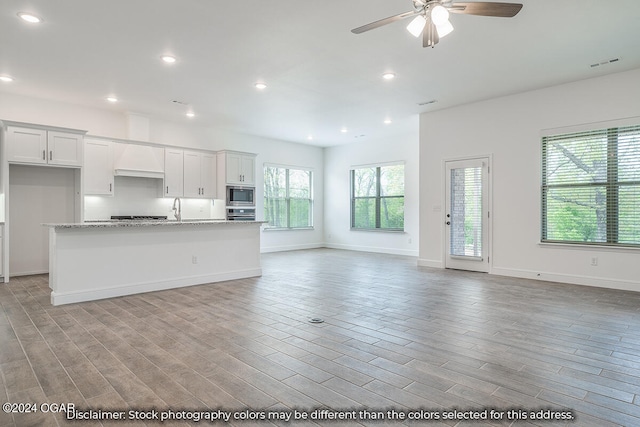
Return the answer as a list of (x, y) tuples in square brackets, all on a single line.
[(591, 187), (466, 212)]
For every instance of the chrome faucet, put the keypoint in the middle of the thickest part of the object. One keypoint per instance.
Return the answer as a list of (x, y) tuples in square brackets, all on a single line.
[(177, 211)]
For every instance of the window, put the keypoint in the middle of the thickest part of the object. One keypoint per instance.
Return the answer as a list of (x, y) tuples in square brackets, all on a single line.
[(377, 198), (591, 187), (288, 198)]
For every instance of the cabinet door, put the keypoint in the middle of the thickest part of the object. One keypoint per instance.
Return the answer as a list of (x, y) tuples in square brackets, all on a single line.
[(64, 148), (233, 164), (98, 167), (26, 145), (208, 175), (173, 173), (248, 164), (192, 171)]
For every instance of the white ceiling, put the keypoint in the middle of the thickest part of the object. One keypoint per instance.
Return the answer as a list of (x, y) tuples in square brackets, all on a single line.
[(320, 76)]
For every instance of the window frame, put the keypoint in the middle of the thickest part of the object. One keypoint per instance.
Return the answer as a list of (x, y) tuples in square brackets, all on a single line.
[(288, 198), (611, 184), (378, 198)]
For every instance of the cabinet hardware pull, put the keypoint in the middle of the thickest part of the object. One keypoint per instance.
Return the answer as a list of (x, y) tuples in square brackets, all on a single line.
[(50, 155), (110, 187), (167, 189), (44, 155)]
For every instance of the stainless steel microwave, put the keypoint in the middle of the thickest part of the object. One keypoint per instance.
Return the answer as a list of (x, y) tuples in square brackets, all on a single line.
[(241, 196)]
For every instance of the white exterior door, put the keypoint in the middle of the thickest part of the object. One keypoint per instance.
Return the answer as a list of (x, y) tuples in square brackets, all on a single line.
[(467, 214)]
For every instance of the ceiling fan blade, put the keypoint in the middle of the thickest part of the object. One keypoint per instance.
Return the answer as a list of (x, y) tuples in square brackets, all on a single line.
[(430, 37), (384, 21), (502, 10)]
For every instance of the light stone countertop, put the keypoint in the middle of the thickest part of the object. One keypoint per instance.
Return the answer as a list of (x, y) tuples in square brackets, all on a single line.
[(149, 223)]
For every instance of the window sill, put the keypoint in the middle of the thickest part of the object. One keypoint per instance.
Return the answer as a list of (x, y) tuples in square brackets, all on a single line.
[(378, 230), (596, 247), (286, 229)]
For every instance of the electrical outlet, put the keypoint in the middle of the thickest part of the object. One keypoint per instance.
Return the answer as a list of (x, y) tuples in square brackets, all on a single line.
[(594, 261), (194, 259)]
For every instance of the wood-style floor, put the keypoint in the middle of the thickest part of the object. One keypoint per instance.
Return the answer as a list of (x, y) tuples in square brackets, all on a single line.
[(395, 337)]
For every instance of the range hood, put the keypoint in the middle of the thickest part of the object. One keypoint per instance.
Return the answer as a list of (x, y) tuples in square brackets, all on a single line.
[(138, 173), (136, 160)]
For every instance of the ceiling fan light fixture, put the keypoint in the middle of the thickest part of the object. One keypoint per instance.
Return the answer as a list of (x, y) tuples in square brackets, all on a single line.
[(439, 15), (416, 25), (444, 29)]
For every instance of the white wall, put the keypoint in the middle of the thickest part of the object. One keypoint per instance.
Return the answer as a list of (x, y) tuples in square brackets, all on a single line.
[(38, 195), (338, 161), (509, 128), (189, 134)]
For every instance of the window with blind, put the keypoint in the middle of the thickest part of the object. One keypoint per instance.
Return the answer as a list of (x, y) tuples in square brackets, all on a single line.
[(377, 198), (288, 198), (591, 187)]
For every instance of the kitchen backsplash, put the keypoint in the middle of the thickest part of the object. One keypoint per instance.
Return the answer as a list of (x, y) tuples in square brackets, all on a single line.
[(143, 196)]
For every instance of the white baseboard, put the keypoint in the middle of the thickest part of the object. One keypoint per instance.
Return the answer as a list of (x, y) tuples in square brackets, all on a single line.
[(625, 285), (285, 248), (58, 298), (391, 251), (29, 273), (433, 263)]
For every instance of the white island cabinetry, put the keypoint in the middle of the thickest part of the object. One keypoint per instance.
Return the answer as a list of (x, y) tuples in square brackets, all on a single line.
[(90, 261)]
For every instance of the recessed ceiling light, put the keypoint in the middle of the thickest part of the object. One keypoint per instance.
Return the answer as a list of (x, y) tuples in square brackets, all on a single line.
[(28, 17), (260, 85), (191, 114), (387, 121), (112, 99), (388, 76), (6, 79), (168, 59), (310, 137), (344, 130)]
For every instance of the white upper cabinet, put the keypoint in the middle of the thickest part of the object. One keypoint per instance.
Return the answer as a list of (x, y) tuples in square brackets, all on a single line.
[(41, 146), (64, 148), (98, 167), (173, 172), (239, 167), (199, 174)]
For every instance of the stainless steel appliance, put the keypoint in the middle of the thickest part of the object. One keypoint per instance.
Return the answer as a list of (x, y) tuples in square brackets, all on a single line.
[(241, 214), (241, 196)]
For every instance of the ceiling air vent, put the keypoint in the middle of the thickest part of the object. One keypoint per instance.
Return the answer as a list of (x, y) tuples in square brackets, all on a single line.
[(433, 101), (606, 62)]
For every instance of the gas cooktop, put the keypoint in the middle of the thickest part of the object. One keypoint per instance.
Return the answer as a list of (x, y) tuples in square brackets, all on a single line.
[(138, 217)]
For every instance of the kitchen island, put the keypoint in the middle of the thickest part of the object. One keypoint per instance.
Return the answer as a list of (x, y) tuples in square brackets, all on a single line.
[(95, 260)]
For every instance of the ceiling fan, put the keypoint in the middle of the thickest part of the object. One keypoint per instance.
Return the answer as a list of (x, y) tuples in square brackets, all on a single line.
[(432, 17)]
